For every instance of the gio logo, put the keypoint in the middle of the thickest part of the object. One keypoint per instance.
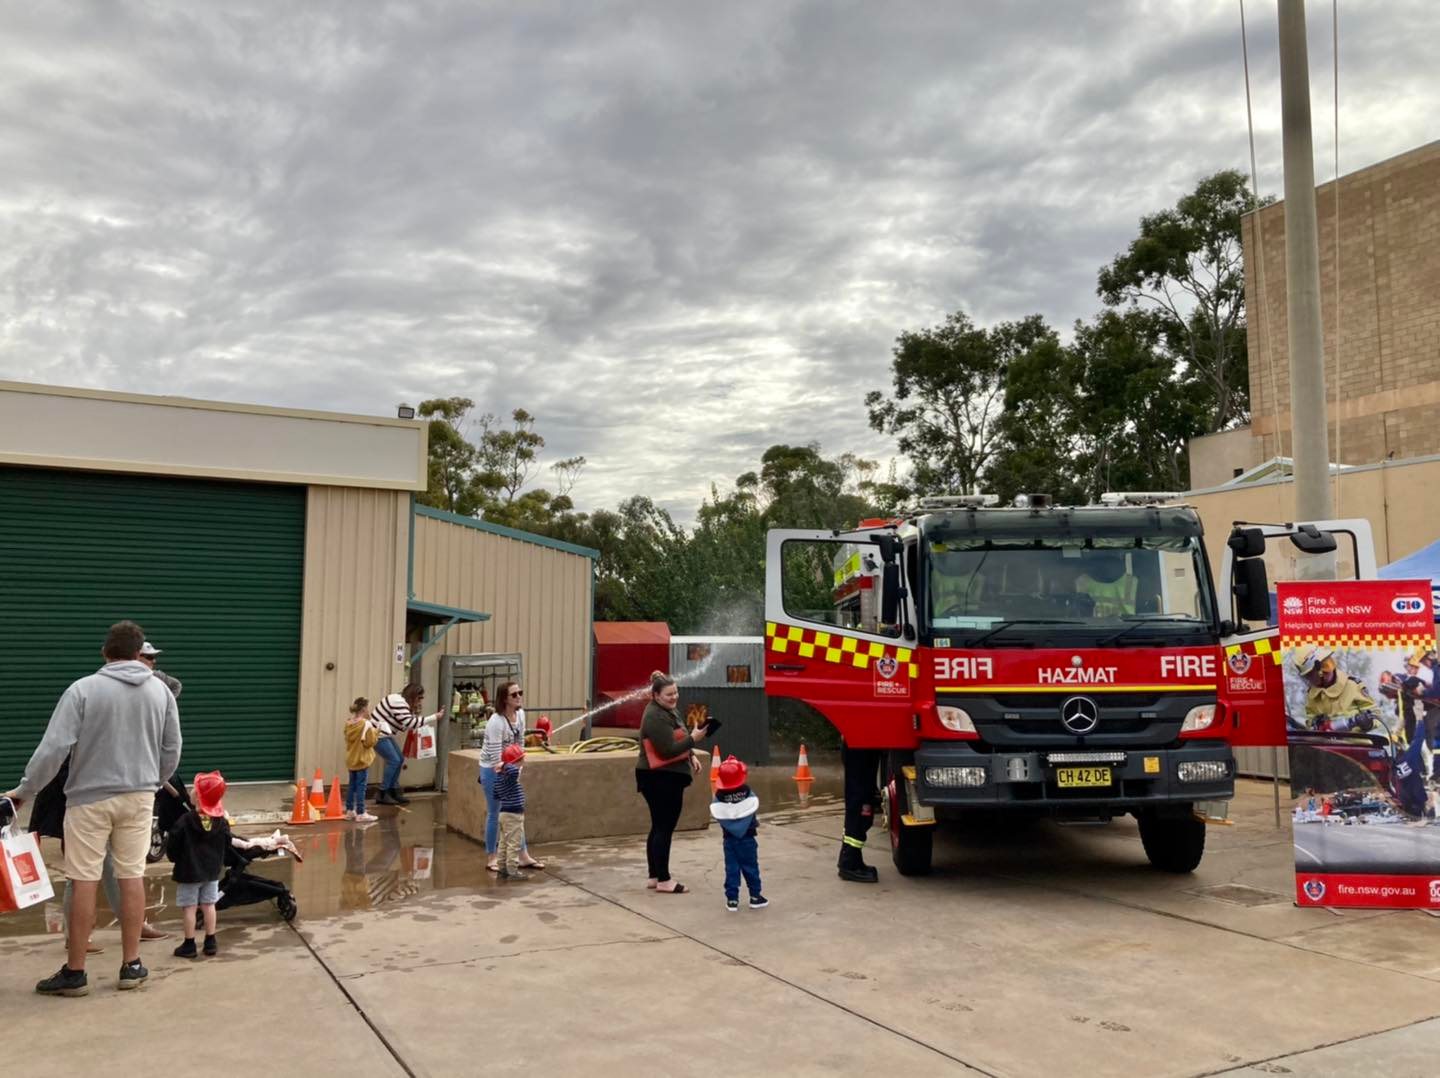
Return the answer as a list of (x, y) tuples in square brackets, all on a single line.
[(1408, 604), (1435, 892)]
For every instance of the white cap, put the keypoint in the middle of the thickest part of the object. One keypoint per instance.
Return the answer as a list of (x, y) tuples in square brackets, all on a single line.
[(148, 649)]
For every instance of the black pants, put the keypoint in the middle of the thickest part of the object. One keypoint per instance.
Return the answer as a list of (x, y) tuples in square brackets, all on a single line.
[(664, 792), (862, 768)]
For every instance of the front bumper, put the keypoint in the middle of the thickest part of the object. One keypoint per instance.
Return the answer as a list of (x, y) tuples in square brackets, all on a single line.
[(1140, 777)]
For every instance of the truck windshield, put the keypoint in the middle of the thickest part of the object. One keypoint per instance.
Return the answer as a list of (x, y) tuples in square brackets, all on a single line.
[(1092, 587)]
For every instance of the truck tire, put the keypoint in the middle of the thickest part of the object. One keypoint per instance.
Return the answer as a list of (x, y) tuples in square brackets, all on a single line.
[(911, 848), (1173, 844)]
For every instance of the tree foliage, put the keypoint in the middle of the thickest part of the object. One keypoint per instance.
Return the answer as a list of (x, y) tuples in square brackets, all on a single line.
[(949, 391), (1187, 267)]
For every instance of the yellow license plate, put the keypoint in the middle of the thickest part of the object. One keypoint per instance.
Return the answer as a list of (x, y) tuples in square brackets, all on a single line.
[(1072, 777)]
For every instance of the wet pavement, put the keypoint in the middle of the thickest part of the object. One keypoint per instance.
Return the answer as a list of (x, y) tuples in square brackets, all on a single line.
[(406, 855), (1039, 951)]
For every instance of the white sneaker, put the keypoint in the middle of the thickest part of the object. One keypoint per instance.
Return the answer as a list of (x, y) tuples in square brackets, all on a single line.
[(349, 814), (365, 817)]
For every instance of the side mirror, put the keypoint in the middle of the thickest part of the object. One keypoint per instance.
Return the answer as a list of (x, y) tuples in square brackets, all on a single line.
[(1312, 540), (890, 592), (1252, 590), (888, 544), (1246, 542)]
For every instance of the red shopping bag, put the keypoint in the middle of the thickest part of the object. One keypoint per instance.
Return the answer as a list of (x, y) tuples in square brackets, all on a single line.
[(24, 881)]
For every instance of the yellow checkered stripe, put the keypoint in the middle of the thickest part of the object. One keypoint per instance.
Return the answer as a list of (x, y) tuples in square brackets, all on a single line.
[(833, 647), (1257, 648), (1401, 641)]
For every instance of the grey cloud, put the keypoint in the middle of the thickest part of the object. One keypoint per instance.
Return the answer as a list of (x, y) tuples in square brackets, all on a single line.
[(675, 234)]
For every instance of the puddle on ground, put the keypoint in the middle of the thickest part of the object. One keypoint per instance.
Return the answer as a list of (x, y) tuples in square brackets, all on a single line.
[(404, 857)]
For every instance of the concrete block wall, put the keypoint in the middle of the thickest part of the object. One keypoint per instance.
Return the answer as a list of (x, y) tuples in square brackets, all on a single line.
[(1389, 333)]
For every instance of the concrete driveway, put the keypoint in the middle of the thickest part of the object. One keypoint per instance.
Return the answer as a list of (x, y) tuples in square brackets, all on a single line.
[(1048, 951)]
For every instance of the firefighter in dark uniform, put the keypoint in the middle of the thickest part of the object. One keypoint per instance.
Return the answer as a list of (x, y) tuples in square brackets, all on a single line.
[(862, 797)]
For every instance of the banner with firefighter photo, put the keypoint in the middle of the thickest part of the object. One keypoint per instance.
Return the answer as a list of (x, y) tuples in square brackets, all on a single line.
[(1362, 706)]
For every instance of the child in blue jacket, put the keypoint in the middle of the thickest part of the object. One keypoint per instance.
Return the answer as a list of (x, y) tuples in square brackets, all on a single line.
[(734, 809)]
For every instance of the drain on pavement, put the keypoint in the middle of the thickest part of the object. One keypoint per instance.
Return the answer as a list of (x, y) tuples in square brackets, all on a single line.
[(1239, 894)]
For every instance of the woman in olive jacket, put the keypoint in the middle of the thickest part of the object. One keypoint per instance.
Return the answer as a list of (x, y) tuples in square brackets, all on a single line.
[(662, 771)]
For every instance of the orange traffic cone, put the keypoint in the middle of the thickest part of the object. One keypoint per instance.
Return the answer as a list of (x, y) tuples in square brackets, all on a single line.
[(300, 814), (714, 767), (802, 768), (333, 809), (317, 791)]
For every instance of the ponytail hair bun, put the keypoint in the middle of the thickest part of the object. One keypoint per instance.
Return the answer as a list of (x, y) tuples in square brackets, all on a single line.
[(659, 682)]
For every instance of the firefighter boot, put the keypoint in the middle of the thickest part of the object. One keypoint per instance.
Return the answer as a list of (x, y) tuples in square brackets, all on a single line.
[(852, 865)]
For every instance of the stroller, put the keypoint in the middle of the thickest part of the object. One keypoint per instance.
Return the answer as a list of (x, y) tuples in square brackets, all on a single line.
[(242, 888), (172, 801)]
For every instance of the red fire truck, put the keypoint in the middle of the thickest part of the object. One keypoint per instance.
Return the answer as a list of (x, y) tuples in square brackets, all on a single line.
[(1034, 659)]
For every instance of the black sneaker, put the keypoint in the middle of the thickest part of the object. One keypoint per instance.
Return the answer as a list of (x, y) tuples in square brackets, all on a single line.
[(132, 975), (732, 904), (186, 949), (211, 947), (68, 982), (758, 902)]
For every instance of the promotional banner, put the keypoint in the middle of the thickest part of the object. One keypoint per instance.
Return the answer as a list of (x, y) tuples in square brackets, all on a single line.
[(1362, 706)]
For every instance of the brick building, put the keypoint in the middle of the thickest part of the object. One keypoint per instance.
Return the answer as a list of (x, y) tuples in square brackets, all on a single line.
[(1389, 321)]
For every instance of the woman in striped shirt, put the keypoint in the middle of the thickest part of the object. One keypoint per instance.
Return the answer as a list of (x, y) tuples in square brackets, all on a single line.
[(505, 727), (398, 713)]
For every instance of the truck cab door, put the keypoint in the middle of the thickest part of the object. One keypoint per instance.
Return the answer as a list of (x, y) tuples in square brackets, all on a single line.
[(1251, 688), (833, 641)]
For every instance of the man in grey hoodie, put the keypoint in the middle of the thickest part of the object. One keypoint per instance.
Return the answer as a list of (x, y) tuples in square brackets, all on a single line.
[(120, 729)]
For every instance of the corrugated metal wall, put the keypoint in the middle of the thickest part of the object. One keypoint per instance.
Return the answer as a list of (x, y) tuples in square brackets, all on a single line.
[(356, 545), (538, 599)]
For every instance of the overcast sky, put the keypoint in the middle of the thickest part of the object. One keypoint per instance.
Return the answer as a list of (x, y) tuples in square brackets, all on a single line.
[(676, 232)]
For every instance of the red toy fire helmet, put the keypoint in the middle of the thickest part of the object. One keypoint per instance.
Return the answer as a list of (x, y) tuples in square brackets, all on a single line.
[(209, 790), (513, 754), (732, 774)]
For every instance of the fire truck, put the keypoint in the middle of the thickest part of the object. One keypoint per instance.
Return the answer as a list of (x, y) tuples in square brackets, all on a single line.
[(1035, 659)]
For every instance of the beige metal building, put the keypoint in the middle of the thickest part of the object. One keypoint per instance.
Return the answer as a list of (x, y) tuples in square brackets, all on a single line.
[(271, 553)]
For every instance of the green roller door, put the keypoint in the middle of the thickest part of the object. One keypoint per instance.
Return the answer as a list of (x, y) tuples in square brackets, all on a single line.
[(213, 571)]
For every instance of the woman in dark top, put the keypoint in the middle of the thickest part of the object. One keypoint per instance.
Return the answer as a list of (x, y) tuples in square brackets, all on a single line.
[(662, 771)]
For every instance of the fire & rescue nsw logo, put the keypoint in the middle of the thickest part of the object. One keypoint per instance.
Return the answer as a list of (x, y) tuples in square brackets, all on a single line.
[(1239, 662), (1294, 604), (1314, 890), (887, 679)]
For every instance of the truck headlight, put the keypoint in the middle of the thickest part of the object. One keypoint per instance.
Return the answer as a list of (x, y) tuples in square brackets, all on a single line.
[(1198, 718), (955, 776), (1203, 771), (957, 720)]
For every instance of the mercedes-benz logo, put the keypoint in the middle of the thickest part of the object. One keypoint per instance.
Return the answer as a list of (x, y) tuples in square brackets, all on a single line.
[(1079, 715)]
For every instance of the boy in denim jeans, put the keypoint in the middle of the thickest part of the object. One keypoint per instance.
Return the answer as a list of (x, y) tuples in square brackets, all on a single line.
[(734, 808)]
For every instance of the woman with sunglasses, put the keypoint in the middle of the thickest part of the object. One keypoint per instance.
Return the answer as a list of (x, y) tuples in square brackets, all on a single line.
[(505, 727)]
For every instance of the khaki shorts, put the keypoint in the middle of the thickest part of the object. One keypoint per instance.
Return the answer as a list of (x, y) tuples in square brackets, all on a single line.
[(121, 823)]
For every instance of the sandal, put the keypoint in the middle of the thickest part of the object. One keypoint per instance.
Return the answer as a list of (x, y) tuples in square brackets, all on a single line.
[(539, 866), (491, 868), (678, 889)]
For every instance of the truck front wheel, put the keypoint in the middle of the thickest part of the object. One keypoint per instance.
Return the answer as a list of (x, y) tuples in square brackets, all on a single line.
[(1173, 844), (910, 847)]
